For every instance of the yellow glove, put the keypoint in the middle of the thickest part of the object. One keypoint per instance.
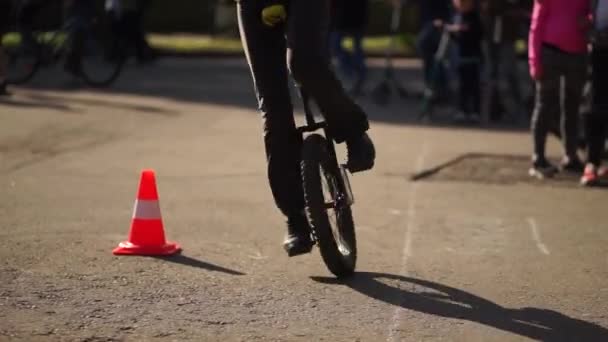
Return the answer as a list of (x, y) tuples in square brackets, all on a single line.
[(273, 15)]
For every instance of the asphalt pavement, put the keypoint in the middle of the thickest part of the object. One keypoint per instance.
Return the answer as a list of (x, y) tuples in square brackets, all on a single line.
[(473, 251)]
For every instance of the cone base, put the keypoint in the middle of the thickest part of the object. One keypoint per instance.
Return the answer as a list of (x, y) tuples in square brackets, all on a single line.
[(128, 248)]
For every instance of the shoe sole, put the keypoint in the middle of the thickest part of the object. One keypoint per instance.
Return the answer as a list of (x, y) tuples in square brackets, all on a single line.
[(590, 183), (539, 175), (291, 252), (352, 169)]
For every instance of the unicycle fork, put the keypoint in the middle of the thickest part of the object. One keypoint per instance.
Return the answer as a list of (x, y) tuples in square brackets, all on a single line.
[(328, 196)]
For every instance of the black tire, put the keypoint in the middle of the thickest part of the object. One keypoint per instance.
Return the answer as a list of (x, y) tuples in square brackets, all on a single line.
[(336, 238), (22, 64), (103, 57)]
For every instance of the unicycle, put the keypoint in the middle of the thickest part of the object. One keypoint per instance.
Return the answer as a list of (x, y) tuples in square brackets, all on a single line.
[(327, 196)]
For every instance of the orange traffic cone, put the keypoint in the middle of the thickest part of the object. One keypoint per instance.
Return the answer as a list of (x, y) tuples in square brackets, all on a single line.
[(147, 236)]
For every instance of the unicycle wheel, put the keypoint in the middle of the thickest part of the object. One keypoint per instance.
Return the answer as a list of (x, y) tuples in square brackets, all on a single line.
[(327, 207)]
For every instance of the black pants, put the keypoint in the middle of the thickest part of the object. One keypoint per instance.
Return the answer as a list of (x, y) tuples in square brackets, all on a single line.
[(470, 91), (304, 41), (128, 30), (597, 120), (548, 106)]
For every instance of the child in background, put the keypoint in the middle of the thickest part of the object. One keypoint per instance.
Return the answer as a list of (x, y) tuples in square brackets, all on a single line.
[(466, 27), (558, 49), (349, 19)]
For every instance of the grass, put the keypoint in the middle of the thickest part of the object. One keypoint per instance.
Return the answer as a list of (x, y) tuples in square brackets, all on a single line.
[(193, 43), (188, 43), (14, 39)]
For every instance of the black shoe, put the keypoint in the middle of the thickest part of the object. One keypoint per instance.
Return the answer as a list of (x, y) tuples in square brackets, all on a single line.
[(297, 241), (3, 91), (542, 169), (361, 154), (573, 165)]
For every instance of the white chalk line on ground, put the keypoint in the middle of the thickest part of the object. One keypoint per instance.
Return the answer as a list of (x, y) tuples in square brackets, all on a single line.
[(536, 236), (407, 239)]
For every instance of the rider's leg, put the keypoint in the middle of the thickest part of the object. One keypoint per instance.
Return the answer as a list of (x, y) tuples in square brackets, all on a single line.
[(307, 34), (265, 50)]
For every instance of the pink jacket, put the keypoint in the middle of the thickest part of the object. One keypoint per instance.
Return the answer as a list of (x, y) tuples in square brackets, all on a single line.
[(562, 23)]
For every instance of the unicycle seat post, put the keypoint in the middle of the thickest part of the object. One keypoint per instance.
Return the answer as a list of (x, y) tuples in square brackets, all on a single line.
[(311, 124)]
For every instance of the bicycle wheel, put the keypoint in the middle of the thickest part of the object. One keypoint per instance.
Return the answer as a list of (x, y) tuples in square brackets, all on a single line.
[(102, 59), (327, 208), (23, 62)]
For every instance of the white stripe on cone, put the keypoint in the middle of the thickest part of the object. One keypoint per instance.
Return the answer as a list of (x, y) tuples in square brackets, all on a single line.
[(146, 210)]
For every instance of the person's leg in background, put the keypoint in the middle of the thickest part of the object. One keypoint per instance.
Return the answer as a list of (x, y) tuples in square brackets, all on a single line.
[(426, 44), (5, 18), (341, 55), (597, 119), (3, 70), (80, 16), (469, 90), (546, 109), (475, 75), (464, 93), (575, 75), (310, 66), (359, 64), (26, 10), (142, 49), (494, 105), (265, 49), (510, 70)]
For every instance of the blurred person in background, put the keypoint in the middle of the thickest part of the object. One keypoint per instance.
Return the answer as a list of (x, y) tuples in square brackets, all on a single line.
[(127, 24), (26, 12), (467, 30), (597, 119), (557, 49), (349, 19), (427, 40), (79, 15), (502, 19)]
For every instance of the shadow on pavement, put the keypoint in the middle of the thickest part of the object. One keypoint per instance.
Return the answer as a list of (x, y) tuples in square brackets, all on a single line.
[(445, 301), (55, 100), (500, 169), (227, 82), (11, 102), (189, 261)]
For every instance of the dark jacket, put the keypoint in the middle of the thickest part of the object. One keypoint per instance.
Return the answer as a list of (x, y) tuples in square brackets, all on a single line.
[(434, 9), (600, 26)]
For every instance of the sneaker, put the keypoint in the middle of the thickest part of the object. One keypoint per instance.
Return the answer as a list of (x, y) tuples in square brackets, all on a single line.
[(297, 241), (361, 154), (572, 165), (590, 176), (542, 169)]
